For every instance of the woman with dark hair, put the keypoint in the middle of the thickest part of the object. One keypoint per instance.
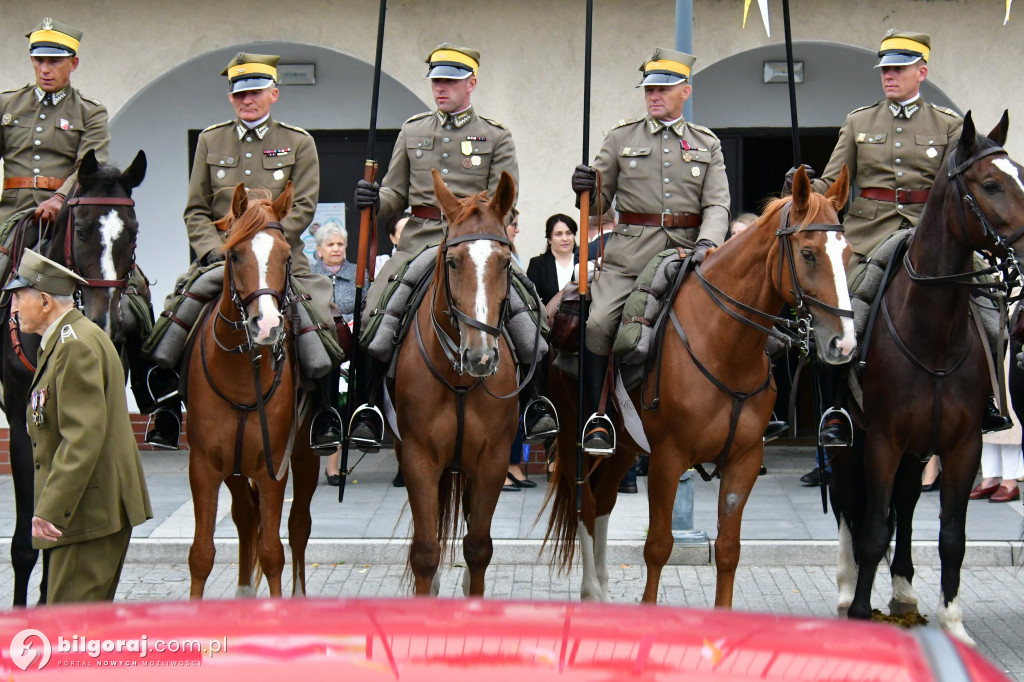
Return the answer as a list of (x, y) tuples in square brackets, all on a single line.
[(554, 268)]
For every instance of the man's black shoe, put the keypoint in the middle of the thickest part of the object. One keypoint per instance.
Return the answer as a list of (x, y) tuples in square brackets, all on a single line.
[(628, 488), (165, 429), (834, 433), (366, 430), (811, 478), (539, 421), (325, 431), (993, 420), (398, 481), (599, 437), (774, 430)]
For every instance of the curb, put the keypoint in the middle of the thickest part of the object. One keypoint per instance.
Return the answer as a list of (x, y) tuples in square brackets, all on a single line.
[(528, 552)]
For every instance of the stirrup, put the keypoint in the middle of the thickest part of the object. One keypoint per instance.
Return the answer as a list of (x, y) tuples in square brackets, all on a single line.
[(156, 374), (537, 409), (839, 414), (371, 436), (322, 423), (599, 421), (153, 435)]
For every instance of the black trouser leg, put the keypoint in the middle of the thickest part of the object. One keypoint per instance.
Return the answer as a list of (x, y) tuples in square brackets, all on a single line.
[(595, 367), (369, 380)]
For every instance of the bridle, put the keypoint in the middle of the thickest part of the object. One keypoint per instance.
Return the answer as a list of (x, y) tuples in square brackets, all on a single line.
[(69, 252)]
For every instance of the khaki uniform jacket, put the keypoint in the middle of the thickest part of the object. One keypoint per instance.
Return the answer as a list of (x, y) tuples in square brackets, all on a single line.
[(88, 473), (64, 131), (891, 153)]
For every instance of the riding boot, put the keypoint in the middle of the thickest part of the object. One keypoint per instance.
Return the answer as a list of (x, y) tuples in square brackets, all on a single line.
[(598, 432), (325, 427), (540, 421), (366, 428), (835, 428), (161, 396), (993, 420)]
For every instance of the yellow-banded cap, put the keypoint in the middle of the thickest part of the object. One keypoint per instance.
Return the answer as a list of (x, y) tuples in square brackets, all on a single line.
[(451, 61), (43, 274), (667, 67), (900, 48), (53, 39), (247, 71)]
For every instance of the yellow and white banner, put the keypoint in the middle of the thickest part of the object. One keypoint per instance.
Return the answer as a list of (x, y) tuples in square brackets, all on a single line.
[(763, 5)]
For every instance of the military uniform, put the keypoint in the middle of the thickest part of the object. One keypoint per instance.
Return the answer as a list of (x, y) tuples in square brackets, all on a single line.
[(650, 168), (470, 151), (890, 147)]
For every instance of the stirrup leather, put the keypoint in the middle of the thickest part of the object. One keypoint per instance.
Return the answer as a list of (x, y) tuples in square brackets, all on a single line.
[(154, 375), (321, 421), (842, 415), (540, 407), (371, 416), (599, 421)]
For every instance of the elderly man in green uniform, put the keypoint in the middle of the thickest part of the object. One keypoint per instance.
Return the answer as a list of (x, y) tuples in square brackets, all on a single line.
[(470, 151), (260, 152), (47, 127), (895, 147), (90, 490), (667, 177)]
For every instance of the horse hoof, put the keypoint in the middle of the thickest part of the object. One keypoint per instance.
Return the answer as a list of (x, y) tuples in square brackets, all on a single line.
[(843, 611), (245, 591), (903, 608)]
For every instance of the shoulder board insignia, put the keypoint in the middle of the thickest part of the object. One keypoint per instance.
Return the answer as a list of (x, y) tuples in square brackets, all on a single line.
[(67, 332), (702, 129), (865, 108), (90, 100), (944, 110), (218, 125), (495, 122), (628, 121), (291, 127), (419, 116)]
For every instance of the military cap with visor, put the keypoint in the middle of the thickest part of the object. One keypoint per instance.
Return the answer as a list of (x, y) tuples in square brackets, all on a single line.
[(900, 48), (453, 62), (247, 71), (42, 274), (53, 39), (666, 67)]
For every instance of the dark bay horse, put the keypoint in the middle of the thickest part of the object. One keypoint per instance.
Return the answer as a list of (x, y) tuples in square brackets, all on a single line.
[(455, 389), (925, 382), (715, 395), (243, 410), (94, 234)]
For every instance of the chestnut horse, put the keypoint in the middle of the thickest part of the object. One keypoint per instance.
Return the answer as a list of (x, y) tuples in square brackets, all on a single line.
[(925, 382), (242, 405), (94, 234), (455, 389), (712, 396)]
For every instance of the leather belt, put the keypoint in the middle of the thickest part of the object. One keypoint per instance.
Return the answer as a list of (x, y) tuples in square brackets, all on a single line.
[(898, 196), (427, 212), (660, 219), (33, 182)]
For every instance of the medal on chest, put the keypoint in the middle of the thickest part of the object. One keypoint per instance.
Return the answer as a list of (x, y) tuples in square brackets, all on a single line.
[(37, 402)]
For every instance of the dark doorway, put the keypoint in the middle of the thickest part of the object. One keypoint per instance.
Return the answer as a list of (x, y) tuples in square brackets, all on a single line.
[(342, 156)]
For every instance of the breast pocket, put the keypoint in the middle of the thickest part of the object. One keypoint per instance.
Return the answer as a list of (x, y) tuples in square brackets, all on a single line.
[(931, 149), (694, 173), (222, 168), (67, 134), (478, 161), (277, 171), (420, 150), (635, 162), (872, 148), (42, 411), (17, 130)]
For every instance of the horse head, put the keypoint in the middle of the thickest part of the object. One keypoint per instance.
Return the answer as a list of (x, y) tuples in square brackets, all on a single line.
[(816, 256), (95, 235), (258, 261), (474, 263), (991, 185)]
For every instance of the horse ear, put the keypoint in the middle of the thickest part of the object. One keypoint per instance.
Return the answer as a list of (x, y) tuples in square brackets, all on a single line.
[(840, 189), (239, 200), (88, 167), (504, 196), (133, 176), (449, 203), (968, 137), (801, 189), (998, 134), (283, 203)]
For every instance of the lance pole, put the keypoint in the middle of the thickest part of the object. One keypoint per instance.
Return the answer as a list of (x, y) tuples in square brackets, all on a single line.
[(584, 258)]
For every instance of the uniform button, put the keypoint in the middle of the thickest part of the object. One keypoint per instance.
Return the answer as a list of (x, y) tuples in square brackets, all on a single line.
[(419, 144), (667, 181), (448, 127), (898, 145), (67, 515), (43, 116), (278, 164), (248, 155), (899, 174), (899, 206), (39, 129), (231, 159), (35, 158), (35, 171), (38, 142), (248, 172), (899, 130), (446, 139), (38, 465), (667, 164), (445, 155), (248, 138), (898, 161), (668, 194), (931, 141), (444, 171), (666, 150), (665, 136)]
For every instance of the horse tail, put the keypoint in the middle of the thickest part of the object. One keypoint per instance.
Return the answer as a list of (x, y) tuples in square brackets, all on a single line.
[(449, 497), (255, 570), (563, 521)]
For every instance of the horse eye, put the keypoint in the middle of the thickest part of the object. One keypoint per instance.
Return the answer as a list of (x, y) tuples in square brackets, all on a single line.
[(450, 262), (234, 257), (807, 255), (81, 234), (991, 187)]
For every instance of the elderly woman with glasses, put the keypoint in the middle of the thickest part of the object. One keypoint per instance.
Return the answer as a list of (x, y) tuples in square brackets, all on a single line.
[(331, 239)]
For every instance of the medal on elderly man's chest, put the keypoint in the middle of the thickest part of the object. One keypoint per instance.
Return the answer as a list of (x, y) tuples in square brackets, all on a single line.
[(38, 401)]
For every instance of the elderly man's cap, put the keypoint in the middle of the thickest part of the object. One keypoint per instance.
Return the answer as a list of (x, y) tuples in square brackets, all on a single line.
[(53, 39), (900, 48), (247, 71), (451, 61), (667, 67), (43, 274)]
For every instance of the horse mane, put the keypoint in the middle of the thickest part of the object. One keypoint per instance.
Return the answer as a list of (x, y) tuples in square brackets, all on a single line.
[(253, 219)]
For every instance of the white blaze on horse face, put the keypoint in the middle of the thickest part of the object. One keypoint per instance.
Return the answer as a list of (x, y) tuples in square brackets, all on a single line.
[(270, 317), (1009, 168), (835, 245), (111, 228), (479, 252)]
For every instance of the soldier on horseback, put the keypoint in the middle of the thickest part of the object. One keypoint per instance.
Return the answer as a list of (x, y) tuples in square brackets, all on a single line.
[(260, 152), (470, 151)]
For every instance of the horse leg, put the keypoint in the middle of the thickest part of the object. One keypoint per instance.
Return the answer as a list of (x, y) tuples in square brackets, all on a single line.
[(269, 546), (23, 556), (738, 478), (663, 475), (586, 530), (421, 482), (244, 512), (204, 481), (846, 492), (959, 466), (477, 547), (606, 491), (906, 493), (305, 471)]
